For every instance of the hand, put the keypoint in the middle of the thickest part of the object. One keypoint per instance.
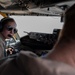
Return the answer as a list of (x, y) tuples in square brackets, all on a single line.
[(9, 51)]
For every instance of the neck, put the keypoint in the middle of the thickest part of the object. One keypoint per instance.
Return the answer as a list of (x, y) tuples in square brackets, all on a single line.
[(2, 36), (64, 53)]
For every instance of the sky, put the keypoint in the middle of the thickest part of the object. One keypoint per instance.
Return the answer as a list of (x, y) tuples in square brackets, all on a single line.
[(42, 24)]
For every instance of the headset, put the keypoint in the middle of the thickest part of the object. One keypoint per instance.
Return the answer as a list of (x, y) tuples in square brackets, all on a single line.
[(2, 21), (1, 28)]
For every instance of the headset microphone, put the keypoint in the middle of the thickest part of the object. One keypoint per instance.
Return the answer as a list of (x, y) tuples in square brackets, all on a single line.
[(12, 37)]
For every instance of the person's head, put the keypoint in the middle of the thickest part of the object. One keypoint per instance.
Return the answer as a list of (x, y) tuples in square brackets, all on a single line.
[(64, 49), (68, 32), (7, 27)]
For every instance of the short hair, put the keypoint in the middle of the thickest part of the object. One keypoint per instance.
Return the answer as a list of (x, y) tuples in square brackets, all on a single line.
[(68, 31)]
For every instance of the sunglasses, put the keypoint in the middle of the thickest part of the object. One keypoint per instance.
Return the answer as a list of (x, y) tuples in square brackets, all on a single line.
[(9, 28)]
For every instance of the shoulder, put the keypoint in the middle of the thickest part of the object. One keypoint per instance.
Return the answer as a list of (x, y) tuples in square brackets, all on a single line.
[(30, 64), (43, 66)]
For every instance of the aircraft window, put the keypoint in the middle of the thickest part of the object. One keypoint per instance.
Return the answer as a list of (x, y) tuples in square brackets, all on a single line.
[(42, 24)]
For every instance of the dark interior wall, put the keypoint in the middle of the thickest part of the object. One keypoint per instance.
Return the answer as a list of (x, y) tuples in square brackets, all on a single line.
[(47, 1)]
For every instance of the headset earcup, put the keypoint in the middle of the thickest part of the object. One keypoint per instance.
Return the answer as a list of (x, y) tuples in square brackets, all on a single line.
[(0, 26)]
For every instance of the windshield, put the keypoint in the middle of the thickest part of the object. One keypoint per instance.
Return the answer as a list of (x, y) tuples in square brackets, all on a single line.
[(41, 24)]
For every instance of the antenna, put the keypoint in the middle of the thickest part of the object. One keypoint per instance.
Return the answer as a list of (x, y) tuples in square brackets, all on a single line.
[(25, 32)]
